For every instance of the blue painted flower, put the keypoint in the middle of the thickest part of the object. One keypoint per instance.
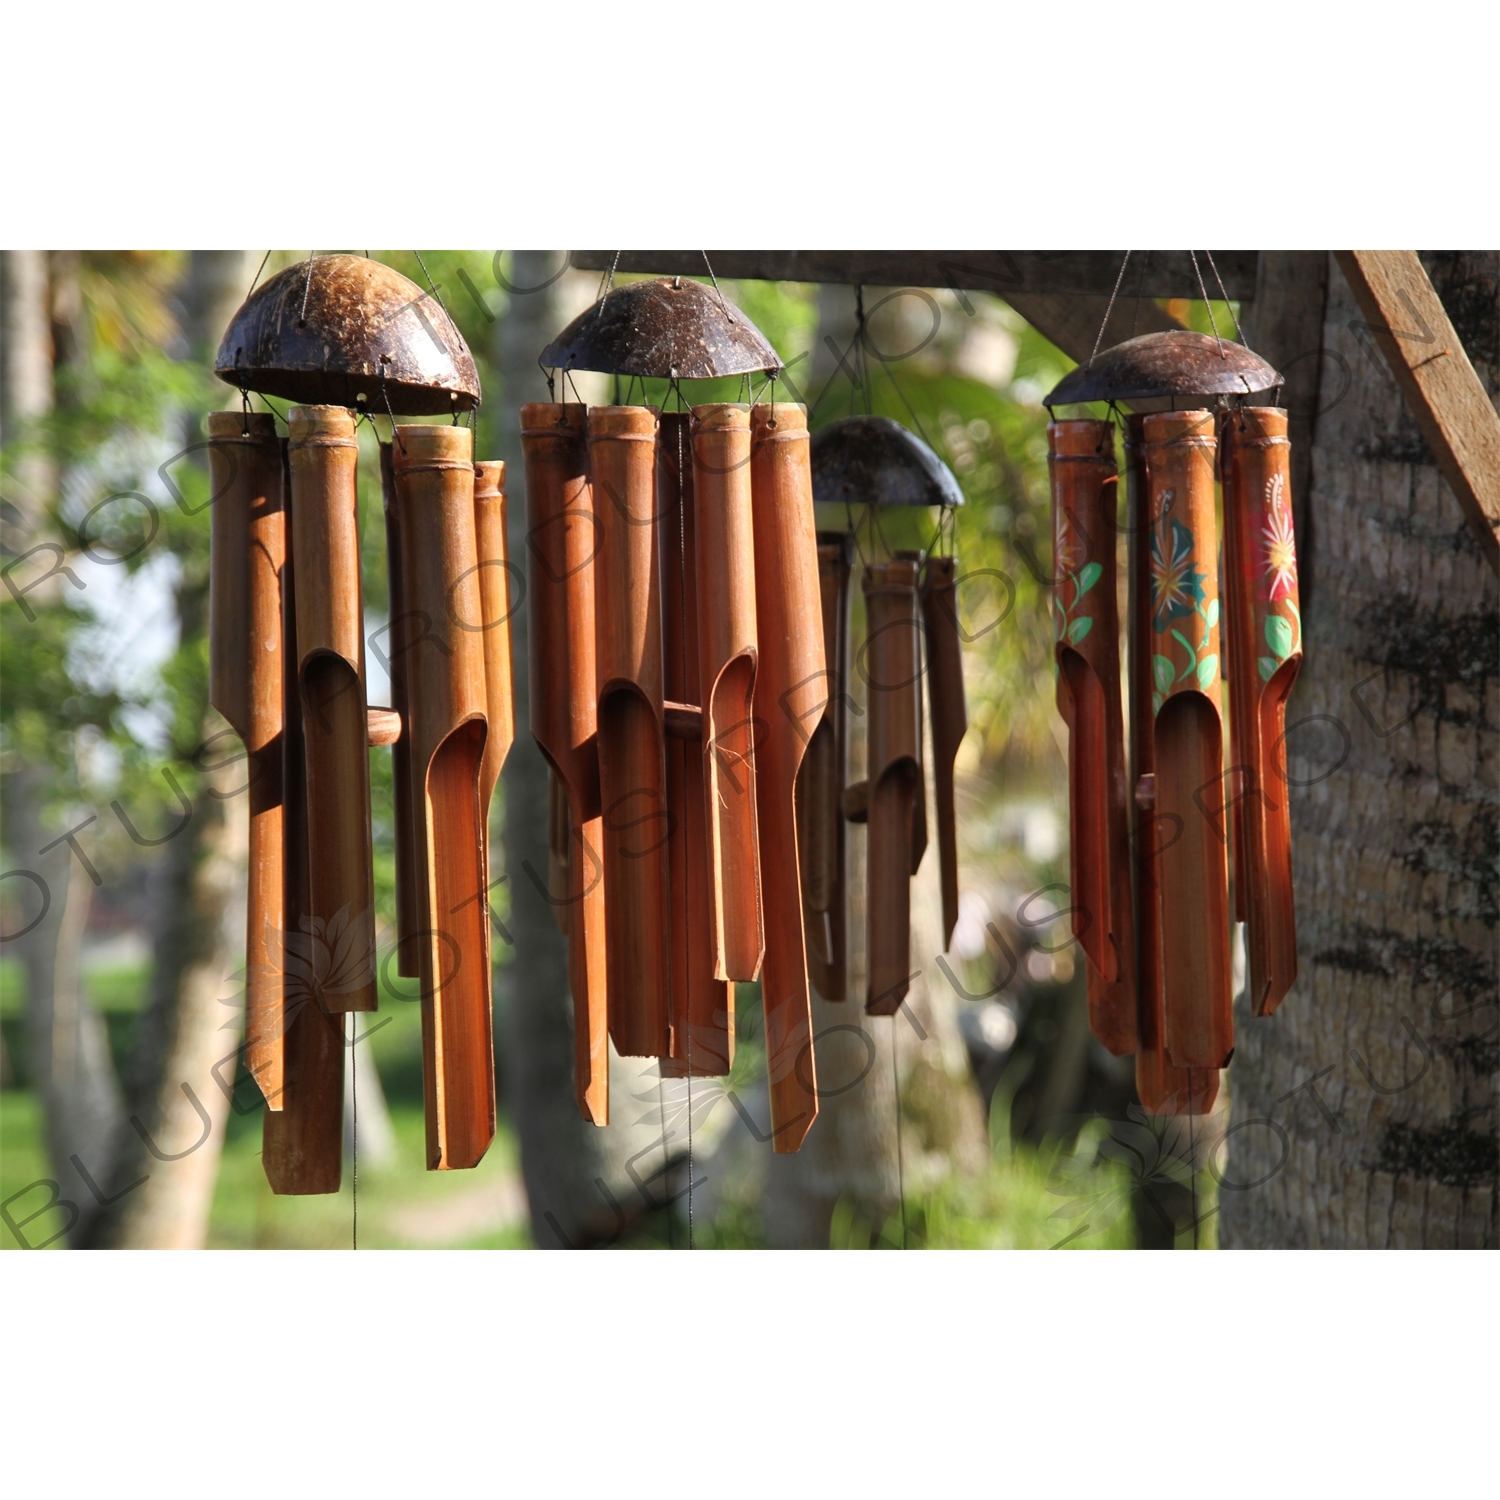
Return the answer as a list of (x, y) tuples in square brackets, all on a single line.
[(1176, 586)]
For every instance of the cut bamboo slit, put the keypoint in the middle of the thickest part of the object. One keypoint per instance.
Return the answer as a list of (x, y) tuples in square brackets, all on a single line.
[(701, 1003), (1162, 1088), (727, 660), (563, 543), (1265, 634), (446, 701), (632, 761), (330, 662), (302, 1142), (894, 784), (949, 717), (247, 654), (1081, 461), (1191, 860), (820, 783), (791, 687), (494, 629), (402, 633)]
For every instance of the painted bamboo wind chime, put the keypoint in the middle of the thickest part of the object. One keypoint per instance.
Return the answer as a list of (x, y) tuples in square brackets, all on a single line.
[(1154, 821), (346, 337)]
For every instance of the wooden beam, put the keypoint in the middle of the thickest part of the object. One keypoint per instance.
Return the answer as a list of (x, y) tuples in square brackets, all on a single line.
[(1453, 409), (1072, 323), (1086, 273)]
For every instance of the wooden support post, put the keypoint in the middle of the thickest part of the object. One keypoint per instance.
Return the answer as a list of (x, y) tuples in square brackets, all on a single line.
[(1446, 396)]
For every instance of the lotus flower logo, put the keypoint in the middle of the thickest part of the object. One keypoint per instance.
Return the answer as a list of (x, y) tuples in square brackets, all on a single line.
[(324, 959), (1138, 1143)]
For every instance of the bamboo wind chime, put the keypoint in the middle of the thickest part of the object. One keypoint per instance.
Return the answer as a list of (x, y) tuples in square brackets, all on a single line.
[(1153, 822), (911, 634), (677, 647), (341, 335)]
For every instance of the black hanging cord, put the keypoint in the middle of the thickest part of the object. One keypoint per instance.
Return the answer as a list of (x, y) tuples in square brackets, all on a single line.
[(264, 258), (1203, 291), (386, 397), (1238, 332), (1099, 337), (432, 285), (354, 1124), (900, 1169)]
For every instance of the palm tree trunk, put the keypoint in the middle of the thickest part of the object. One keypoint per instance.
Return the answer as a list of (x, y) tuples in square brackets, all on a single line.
[(1363, 1113)]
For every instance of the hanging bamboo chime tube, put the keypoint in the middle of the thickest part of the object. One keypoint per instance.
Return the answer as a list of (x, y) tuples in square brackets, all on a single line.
[(820, 783), (403, 632), (1081, 461), (727, 662), (447, 705), (330, 669), (302, 1144), (1265, 637), (563, 538), (494, 629), (893, 791), (246, 668), (790, 689), (1191, 859), (632, 760), (948, 714), (1162, 1088), (701, 1003)]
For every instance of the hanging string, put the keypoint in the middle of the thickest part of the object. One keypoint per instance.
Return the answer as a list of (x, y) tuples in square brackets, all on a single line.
[(551, 378), (1099, 337), (900, 1170), (1192, 1159), (354, 1124), (437, 296), (1203, 291), (1225, 298), (722, 303), (306, 288), (386, 397), (607, 281), (256, 282), (1135, 312), (661, 1109)]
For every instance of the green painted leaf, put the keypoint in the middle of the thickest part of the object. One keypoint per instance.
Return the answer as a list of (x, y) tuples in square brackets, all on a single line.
[(1080, 628), (1088, 576), (1164, 672), (1208, 671), (1267, 665), (1156, 702), (1213, 613), (1279, 636)]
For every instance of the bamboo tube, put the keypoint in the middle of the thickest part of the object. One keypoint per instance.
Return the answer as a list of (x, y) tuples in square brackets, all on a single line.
[(563, 541), (893, 784), (1192, 869), (820, 782), (302, 1142), (1162, 1088), (727, 662), (559, 840), (1081, 461), (1265, 638), (247, 554), (447, 703), (702, 1004), (330, 669), (632, 760), (948, 714), (790, 689), (404, 631), (494, 591)]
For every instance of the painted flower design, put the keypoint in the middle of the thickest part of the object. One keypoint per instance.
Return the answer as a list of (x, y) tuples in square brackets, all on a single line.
[(1176, 586), (1277, 543)]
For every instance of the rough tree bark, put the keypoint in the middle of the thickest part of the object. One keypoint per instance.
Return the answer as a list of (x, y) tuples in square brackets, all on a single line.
[(1364, 1110)]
